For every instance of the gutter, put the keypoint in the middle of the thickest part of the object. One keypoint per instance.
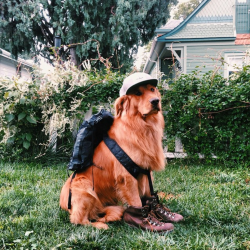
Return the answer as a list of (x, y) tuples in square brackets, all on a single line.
[(198, 39), (149, 61)]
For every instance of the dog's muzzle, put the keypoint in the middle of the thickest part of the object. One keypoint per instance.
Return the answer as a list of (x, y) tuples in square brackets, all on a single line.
[(155, 103)]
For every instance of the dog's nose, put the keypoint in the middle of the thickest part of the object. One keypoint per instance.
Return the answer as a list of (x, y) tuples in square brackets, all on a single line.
[(154, 101)]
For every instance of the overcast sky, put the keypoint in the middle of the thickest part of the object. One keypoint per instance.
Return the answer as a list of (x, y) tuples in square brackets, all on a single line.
[(180, 1)]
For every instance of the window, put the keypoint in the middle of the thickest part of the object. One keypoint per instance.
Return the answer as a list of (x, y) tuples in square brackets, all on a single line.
[(242, 16), (171, 62), (177, 61), (234, 63)]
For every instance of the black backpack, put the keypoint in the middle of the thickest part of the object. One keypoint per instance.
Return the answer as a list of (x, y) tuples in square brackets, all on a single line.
[(89, 135)]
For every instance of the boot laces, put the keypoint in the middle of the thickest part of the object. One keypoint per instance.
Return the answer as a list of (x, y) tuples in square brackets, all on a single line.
[(153, 220), (164, 210)]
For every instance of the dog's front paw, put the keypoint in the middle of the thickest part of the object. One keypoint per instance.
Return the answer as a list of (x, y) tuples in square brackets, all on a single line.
[(100, 225), (102, 219)]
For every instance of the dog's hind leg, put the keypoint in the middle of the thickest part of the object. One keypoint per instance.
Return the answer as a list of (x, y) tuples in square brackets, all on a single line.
[(85, 205), (89, 209), (79, 213), (112, 213)]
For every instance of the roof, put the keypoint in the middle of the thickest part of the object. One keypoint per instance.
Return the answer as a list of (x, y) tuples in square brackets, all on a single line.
[(242, 39), (206, 22), (203, 31), (8, 55), (171, 24)]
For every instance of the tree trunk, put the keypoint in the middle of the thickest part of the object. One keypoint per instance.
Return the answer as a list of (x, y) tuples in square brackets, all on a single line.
[(73, 56)]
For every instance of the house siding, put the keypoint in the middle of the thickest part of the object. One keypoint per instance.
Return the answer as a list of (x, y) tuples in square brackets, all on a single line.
[(153, 72), (208, 57), (7, 67)]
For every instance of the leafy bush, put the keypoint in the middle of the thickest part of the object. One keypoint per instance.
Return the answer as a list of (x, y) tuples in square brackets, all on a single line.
[(30, 111), (210, 114)]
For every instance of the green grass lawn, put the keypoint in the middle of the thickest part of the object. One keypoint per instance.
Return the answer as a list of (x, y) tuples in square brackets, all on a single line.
[(213, 198)]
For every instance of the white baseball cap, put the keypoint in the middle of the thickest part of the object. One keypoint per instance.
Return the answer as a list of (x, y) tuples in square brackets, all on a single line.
[(135, 80)]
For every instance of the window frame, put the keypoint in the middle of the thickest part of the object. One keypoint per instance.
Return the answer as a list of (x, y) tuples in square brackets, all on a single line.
[(230, 67)]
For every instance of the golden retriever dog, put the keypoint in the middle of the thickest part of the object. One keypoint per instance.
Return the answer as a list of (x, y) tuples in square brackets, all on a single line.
[(101, 192)]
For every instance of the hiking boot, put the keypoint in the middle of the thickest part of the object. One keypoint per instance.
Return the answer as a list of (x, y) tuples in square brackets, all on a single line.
[(162, 213), (142, 218)]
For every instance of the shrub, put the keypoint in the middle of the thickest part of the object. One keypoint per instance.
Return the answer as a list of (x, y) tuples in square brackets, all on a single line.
[(210, 114), (30, 111)]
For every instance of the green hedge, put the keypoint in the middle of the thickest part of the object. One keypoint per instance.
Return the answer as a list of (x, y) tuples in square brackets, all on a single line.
[(210, 114)]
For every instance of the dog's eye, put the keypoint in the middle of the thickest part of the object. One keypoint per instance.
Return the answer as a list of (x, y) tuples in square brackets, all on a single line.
[(152, 89), (138, 93)]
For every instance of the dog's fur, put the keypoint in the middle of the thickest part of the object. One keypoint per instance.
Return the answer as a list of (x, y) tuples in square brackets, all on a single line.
[(100, 192)]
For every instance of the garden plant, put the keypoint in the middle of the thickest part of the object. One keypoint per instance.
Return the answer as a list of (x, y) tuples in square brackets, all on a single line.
[(210, 114)]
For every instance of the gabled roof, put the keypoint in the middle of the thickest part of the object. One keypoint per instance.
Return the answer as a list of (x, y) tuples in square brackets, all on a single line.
[(211, 20)]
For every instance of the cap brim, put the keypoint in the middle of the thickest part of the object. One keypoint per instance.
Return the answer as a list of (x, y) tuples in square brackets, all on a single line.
[(153, 82)]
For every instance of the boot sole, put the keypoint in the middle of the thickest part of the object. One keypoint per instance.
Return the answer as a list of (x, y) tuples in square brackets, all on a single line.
[(154, 231)]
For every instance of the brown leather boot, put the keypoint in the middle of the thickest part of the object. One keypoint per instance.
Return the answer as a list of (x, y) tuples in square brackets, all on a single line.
[(162, 213), (141, 217)]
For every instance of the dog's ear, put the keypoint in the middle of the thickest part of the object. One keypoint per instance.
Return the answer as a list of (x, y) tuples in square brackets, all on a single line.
[(121, 104)]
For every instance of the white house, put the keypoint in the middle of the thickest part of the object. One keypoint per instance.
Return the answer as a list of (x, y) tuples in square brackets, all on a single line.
[(10, 67)]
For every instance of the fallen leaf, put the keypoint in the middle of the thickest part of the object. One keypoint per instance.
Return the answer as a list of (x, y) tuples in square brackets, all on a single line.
[(169, 196)]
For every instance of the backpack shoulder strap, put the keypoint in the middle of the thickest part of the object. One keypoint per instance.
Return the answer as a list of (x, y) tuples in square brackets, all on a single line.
[(123, 158), (127, 162)]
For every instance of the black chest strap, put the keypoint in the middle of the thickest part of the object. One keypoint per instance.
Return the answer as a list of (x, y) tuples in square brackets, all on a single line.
[(127, 162)]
